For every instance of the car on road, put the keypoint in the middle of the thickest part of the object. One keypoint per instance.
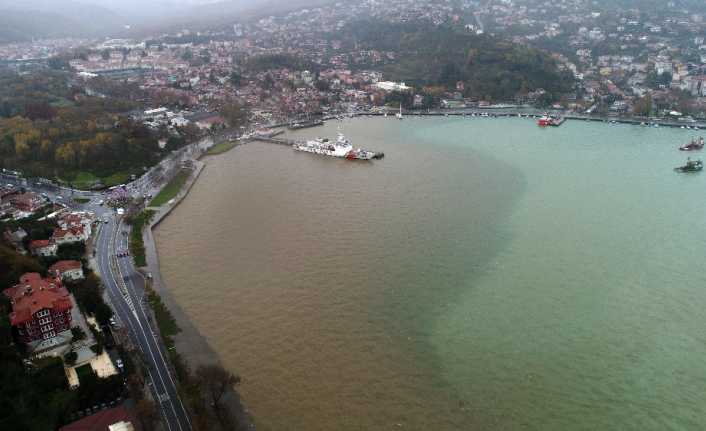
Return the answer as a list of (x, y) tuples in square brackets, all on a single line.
[(119, 363), (113, 322)]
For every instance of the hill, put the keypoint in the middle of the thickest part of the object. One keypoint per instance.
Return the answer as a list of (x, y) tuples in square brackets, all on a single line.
[(489, 67), (28, 19)]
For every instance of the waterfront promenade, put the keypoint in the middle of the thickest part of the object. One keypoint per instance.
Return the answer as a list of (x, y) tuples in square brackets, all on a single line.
[(190, 343)]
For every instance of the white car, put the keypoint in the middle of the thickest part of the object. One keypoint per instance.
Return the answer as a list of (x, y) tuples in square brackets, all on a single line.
[(119, 363)]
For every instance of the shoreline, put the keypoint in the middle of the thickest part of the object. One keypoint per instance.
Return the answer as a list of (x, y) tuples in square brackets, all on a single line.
[(189, 342), (697, 124)]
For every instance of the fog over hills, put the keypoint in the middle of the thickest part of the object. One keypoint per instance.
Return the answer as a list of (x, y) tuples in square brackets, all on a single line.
[(32, 19)]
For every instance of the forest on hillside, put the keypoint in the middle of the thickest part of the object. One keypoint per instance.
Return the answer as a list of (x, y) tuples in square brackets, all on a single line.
[(50, 127), (490, 68)]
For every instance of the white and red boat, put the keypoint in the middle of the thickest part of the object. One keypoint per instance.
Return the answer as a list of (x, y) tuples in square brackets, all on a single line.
[(547, 120), (544, 121), (341, 147)]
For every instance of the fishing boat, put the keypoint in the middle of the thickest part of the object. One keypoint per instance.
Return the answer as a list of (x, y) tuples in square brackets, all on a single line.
[(690, 166)]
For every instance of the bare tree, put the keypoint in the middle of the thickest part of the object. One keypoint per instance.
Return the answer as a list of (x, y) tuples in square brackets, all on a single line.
[(147, 413), (235, 114), (215, 381)]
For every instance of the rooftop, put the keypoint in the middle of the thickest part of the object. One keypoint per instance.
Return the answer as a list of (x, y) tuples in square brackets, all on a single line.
[(34, 293)]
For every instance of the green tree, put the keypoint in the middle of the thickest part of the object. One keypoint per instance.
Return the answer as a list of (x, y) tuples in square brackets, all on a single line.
[(643, 106), (70, 358), (235, 78)]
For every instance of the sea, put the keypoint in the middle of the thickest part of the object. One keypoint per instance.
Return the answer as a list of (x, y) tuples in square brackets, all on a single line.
[(487, 274)]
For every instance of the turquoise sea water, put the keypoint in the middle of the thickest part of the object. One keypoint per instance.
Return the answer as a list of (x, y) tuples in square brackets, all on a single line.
[(486, 275)]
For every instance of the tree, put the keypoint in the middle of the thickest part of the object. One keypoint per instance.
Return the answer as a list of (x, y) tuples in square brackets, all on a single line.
[(235, 78), (70, 358), (103, 313), (77, 333), (105, 54), (235, 114), (643, 106), (146, 413), (215, 381)]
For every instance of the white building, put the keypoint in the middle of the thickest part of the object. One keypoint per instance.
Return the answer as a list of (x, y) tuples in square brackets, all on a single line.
[(392, 86)]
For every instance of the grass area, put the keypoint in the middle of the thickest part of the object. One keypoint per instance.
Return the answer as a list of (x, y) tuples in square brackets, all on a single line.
[(116, 178), (80, 179), (85, 180), (187, 387), (168, 326), (221, 148), (81, 200), (172, 188), (137, 246)]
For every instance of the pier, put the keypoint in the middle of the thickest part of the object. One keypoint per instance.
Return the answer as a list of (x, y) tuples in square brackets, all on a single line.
[(274, 140), (495, 113)]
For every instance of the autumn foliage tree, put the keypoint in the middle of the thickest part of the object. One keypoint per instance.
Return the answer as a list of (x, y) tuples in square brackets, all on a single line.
[(48, 128)]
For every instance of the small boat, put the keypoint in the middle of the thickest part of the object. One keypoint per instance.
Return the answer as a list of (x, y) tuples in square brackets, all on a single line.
[(693, 145), (399, 114), (691, 166), (547, 120)]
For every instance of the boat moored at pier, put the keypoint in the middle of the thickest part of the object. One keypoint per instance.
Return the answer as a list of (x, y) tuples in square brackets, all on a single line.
[(547, 120), (341, 148)]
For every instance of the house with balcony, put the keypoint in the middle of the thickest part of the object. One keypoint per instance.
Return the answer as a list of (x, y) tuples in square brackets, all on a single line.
[(43, 248), (67, 270), (69, 236)]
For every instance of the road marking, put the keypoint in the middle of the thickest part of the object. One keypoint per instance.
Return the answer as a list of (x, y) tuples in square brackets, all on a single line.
[(110, 269), (149, 347), (159, 350)]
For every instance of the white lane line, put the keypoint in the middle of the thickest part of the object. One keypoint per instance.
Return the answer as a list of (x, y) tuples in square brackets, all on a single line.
[(169, 374), (149, 347), (112, 274)]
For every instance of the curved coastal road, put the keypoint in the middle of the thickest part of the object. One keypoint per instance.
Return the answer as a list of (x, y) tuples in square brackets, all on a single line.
[(125, 287)]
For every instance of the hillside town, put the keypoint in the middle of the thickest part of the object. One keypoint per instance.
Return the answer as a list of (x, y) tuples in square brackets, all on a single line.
[(624, 61)]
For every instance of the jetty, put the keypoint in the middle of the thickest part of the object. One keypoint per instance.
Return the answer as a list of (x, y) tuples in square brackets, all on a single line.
[(498, 112), (274, 140), (296, 125)]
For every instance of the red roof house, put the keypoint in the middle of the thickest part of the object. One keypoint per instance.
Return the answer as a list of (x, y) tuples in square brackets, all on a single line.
[(67, 270), (42, 247), (41, 307)]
